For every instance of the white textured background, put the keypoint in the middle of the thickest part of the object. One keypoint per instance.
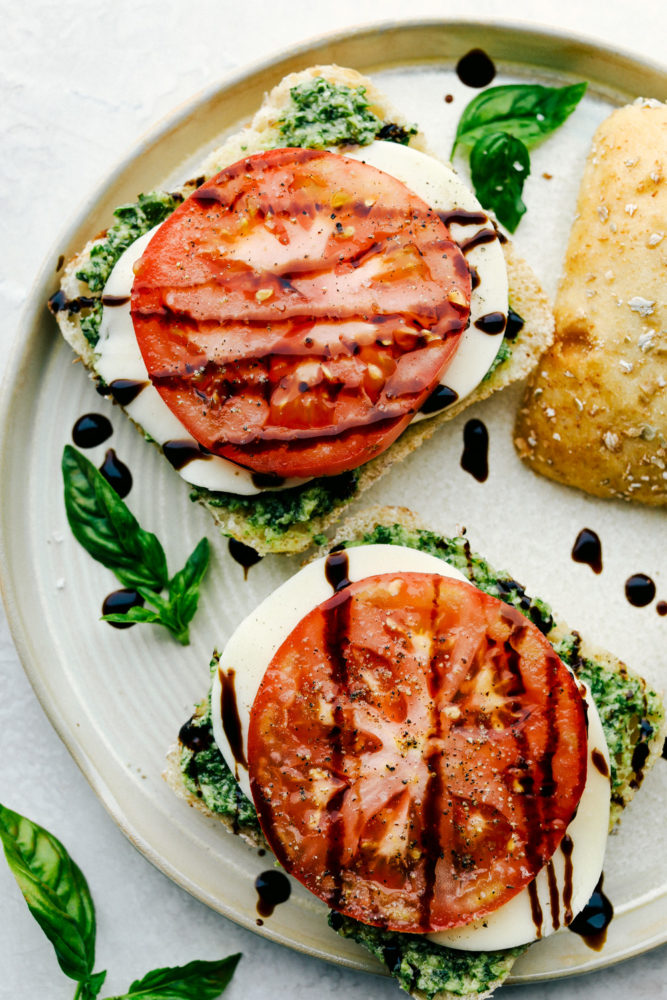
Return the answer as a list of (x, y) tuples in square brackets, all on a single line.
[(80, 83)]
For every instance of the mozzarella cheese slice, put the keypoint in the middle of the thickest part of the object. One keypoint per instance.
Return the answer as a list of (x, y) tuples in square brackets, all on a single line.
[(119, 360), (562, 887)]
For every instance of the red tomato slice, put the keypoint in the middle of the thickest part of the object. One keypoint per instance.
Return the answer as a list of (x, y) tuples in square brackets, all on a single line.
[(297, 309), (416, 752)]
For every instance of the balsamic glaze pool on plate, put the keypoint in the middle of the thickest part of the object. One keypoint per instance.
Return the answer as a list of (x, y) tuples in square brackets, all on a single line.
[(475, 457), (587, 549), (119, 602), (91, 429), (273, 887), (639, 590), (475, 69), (116, 473)]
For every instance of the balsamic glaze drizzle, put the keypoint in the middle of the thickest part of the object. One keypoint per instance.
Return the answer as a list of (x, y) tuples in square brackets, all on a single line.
[(336, 569), (125, 390), (592, 923), (181, 453), (244, 555), (231, 722), (441, 397)]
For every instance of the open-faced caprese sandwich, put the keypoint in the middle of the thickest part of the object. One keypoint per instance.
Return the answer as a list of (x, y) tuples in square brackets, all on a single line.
[(425, 748), (305, 312)]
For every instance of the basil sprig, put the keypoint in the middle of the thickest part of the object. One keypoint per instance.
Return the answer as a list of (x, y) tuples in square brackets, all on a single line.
[(522, 114), (59, 899), (104, 525)]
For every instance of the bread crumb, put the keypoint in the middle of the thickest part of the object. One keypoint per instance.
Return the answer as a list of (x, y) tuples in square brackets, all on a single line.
[(641, 305)]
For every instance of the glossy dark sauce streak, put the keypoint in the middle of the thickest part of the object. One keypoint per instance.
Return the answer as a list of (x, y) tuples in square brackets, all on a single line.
[(115, 300), (475, 457), (431, 810), (116, 473), (459, 217), (593, 921), (273, 887), (639, 590), (336, 569), (118, 602), (478, 240), (231, 722), (492, 323), (587, 549), (554, 895), (60, 303), (515, 324), (181, 453), (640, 754), (125, 390), (566, 847), (475, 69), (337, 629), (244, 555), (194, 737), (599, 763), (91, 429), (441, 397), (535, 909)]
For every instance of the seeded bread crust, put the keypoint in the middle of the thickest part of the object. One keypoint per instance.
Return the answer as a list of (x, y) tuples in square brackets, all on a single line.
[(594, 415), (527, 298)]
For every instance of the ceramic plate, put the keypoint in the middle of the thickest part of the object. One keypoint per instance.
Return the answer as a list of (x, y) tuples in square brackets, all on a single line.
[(118, 699)]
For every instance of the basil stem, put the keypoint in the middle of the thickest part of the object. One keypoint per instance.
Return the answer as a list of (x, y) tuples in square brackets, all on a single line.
[(55, 890)]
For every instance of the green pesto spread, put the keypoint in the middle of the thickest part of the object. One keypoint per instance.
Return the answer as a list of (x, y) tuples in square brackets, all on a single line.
[(133, 221), (324, 114), (275, 512), (420, 964), (629, 712)]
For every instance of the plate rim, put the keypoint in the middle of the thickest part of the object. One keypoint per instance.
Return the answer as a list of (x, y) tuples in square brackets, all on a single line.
[(32, 318)]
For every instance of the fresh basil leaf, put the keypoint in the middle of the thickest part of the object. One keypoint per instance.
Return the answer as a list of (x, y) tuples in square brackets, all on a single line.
[(90, 988), (499, 165), (55, 890), (184, 587), (194, 981), (104, 525), (528, 112)]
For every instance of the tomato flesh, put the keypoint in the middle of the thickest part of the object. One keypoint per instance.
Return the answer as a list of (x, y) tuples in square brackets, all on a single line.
[(297, 309), (416, 752)]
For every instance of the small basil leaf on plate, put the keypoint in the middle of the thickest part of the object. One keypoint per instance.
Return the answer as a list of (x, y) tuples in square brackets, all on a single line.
[(134, 615), (55, 890), (528, 112), (106, 527), (499, 165), (194, 981), (184, 587)]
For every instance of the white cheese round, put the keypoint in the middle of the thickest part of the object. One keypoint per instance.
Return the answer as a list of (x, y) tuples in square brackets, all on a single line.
[(254, 644), (118, 356)]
